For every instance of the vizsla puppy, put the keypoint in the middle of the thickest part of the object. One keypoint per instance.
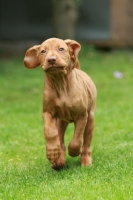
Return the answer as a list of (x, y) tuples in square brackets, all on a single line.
[(69, 96)]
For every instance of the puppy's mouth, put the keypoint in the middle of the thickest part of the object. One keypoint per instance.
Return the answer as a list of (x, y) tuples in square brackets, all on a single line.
[(55, 70)]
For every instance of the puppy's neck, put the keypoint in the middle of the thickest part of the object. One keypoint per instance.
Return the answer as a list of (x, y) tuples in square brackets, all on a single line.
[(58, 83)]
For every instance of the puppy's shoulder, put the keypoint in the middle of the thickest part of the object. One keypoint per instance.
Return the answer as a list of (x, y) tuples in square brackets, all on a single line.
[(82, 74), (85, 79)]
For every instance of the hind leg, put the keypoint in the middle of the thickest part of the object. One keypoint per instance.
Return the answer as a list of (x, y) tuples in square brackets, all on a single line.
[(61, 125), (86, 159)]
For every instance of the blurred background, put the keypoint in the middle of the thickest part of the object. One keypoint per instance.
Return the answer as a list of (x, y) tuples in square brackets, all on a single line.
[(104, 23)]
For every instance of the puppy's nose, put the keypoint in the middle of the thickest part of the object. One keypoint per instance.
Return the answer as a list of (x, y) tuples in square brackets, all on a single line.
[(51, 59)]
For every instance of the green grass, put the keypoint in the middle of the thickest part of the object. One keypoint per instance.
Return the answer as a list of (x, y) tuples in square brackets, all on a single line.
[(25, 173)]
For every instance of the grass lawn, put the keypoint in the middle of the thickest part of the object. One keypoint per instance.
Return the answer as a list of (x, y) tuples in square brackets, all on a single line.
[(25, 173)]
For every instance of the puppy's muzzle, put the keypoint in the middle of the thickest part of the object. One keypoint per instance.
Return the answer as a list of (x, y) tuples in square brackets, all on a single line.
[(51, 60), (55, 69)]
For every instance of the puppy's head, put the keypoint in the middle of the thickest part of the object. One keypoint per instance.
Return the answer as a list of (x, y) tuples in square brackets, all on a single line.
[(54, 55)]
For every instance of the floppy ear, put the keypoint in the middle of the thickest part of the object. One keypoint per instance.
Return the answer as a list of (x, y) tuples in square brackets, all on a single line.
[(74, 48), (30, 59)]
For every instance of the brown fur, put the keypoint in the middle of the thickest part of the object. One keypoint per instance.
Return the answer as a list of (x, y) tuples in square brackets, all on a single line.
[(69, 96)]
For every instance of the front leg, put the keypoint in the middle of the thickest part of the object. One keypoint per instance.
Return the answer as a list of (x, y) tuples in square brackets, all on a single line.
[(74, 147), (53, 149), (61, 125)]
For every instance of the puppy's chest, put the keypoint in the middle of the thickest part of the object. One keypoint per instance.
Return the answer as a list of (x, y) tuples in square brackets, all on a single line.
[(67, 109)]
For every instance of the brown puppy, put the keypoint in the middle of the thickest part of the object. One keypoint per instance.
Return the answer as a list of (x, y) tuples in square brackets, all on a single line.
[(69, 96)]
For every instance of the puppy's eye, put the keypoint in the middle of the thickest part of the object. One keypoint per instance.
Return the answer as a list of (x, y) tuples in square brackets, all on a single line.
[(43, 51), (61, 49)]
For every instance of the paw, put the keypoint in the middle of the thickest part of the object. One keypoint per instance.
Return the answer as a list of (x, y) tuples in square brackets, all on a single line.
[(53, 154), (60, 163), (74, 148), (86, 160), (58, 166)]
